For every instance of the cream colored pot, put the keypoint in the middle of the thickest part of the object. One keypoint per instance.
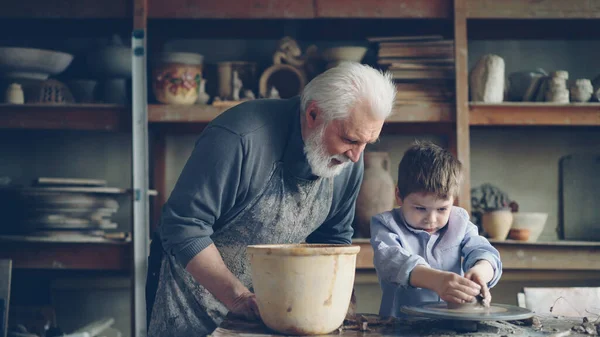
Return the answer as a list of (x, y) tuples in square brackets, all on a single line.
[(303, 289)]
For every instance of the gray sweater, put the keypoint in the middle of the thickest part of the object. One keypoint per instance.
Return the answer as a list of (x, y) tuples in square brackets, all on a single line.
[(231, 162)]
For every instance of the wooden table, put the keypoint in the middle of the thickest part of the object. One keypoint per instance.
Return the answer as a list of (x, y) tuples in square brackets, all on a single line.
[(539, 326)]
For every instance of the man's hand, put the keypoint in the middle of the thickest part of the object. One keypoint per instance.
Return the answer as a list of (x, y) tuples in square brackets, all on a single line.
[(245, 306), (208, 268), (482, 273)]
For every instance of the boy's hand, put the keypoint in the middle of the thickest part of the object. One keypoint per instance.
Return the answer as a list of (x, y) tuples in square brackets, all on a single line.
[(456, 289), (482, 273)]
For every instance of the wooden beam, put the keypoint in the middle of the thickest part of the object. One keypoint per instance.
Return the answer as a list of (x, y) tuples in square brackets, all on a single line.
[(405, 9), (541, 114), (231, 9), (463, 150), (533, 9), (63, 9)]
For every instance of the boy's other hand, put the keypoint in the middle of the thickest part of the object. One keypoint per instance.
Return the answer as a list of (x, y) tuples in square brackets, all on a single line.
[(456, 289), (481, 273)]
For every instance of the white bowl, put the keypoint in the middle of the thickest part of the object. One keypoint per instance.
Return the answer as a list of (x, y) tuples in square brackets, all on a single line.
[(32, 63), (534, 221), (303, 289)]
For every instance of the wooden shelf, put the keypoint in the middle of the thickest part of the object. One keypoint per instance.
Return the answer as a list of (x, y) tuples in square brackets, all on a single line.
[(534, 114), (62, 9), (406, 9), (532, 9), (298, 9), (115, 256), (202, 114), (102, 117), (518, 255)]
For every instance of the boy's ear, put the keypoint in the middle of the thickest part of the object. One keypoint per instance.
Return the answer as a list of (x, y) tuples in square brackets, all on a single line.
[(397, 195)]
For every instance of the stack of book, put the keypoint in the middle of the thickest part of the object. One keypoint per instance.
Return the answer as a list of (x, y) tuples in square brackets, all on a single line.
[(422, 67)]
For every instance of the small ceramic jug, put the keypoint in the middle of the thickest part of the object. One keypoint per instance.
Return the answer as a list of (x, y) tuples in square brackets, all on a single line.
[(14, 94)]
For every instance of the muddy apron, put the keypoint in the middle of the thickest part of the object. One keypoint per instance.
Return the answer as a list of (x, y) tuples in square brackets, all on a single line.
[(287, 211)]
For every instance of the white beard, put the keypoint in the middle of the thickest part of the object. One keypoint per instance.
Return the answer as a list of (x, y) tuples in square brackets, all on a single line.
[(318, 158)]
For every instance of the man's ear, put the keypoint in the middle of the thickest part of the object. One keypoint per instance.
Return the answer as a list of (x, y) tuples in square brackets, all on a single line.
[(312, 115), (397, 195)]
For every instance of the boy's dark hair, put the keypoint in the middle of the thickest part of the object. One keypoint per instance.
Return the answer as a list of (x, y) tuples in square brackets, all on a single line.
[(429, 168)]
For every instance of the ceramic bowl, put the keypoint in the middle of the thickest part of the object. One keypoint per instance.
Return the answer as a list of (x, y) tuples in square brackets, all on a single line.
[(303, 289)]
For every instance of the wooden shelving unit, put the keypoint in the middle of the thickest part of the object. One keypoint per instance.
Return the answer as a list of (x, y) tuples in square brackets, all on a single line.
[(534, 114), (308, 19)]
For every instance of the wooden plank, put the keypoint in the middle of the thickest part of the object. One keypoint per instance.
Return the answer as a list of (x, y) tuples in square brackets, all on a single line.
[(369, 276), (415, 9), (561, 243), (140, 14), (533, 9), (548, 257), (231, 9), (106, 117), (517, 255), (164, 113), (463, 150), (543, 114), (364, 259), (77, 256), (61, 9), (512, 275), (432, 112)]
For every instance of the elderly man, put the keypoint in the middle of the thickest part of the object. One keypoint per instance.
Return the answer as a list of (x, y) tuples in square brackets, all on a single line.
[(265, 171)]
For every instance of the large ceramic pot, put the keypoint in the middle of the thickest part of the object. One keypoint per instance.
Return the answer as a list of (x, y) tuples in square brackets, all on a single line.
[(176, 77), (376, 192), (497, 223), (303, 289)]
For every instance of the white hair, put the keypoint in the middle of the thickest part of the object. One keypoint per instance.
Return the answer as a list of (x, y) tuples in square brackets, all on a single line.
[(339, 89)]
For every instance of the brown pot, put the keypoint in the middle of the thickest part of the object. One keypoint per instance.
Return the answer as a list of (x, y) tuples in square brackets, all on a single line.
[(376, 192)]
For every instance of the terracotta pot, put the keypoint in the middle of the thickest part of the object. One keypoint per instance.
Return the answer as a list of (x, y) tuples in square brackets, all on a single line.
[(520, 234), (176, 78), (497, 223), (376, 192), (303, 289)]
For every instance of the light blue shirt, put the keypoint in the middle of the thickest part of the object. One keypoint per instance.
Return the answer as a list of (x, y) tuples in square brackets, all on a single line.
[(399, 248)]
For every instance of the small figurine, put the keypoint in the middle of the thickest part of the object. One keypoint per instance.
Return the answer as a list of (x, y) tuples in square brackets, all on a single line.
[(237, 86), (248, 94), (203, 97), (273, 93)]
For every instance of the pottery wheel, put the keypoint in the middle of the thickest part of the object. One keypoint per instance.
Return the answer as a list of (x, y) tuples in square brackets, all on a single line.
[(496, 312)]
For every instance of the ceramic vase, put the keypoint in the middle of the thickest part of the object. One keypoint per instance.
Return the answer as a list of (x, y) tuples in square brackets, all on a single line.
[(497, 223), (376, 193)]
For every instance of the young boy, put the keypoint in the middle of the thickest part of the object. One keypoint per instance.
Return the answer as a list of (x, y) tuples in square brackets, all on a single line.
[(418, 247)]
